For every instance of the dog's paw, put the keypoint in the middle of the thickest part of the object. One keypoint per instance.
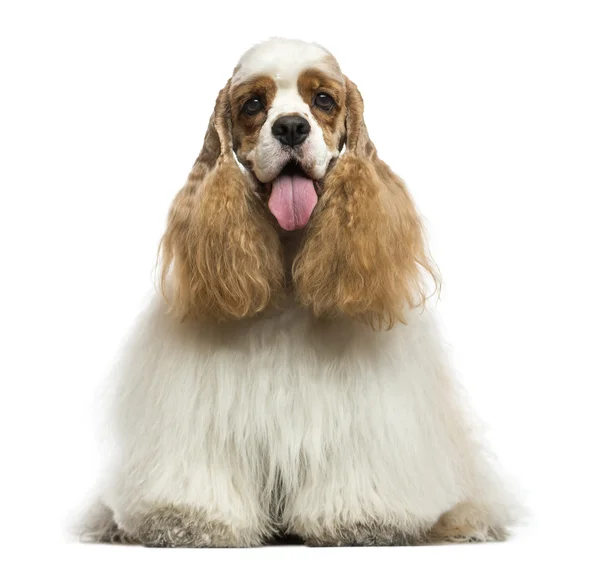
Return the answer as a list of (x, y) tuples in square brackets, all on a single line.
[(465, 523), (181, 527), (172, 527), (362, 534)]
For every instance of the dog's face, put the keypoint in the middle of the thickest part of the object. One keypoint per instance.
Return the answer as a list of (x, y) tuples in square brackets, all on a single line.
[(287, 104), (271, 164)]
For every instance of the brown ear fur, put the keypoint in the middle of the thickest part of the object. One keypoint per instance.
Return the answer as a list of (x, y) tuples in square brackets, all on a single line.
[(221, 258), (364, 254)]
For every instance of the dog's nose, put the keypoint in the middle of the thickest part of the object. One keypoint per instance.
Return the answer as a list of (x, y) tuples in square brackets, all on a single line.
[(291, 130)]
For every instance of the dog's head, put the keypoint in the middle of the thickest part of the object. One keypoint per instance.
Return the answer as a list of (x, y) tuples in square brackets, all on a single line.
[(287, 103), (270, 165)]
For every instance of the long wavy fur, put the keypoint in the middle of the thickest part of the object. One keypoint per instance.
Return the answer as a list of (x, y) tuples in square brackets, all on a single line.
[(364, 254), (221, 257)]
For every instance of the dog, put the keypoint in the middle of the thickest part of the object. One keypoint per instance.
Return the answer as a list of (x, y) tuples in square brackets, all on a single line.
[(290, 380)]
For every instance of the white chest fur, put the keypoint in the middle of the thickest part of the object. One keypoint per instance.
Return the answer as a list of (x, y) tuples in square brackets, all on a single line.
[(316, 419)]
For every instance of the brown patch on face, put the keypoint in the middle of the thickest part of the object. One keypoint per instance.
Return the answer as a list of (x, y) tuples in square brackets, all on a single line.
[(246, 128), (312, 82)]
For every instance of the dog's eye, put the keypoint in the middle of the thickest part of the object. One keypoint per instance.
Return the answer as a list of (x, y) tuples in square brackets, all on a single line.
[(253, 106), (324, 101)]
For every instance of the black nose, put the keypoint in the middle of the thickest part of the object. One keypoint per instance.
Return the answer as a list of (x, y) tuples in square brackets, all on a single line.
[(291, 130)]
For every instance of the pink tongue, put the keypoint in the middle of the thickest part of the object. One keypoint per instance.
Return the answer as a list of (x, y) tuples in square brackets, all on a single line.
[(292, 200)]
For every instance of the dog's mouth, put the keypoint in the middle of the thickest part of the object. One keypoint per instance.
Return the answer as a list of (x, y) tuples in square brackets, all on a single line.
[(293, 197)]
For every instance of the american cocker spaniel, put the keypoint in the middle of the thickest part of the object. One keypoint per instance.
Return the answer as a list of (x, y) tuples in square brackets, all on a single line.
[(290, 379)]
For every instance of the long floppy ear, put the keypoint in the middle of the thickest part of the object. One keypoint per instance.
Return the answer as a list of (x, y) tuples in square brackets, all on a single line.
[(364, 254), (221, 258)]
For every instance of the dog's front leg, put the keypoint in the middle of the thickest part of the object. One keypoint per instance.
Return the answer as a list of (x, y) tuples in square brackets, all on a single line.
[(181, 478), (389, 457)]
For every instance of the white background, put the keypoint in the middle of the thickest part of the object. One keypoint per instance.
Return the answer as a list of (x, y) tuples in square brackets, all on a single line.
[(489, 110)]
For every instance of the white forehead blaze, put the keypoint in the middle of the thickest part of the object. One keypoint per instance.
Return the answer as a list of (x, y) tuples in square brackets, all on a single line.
[(283, 60)]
